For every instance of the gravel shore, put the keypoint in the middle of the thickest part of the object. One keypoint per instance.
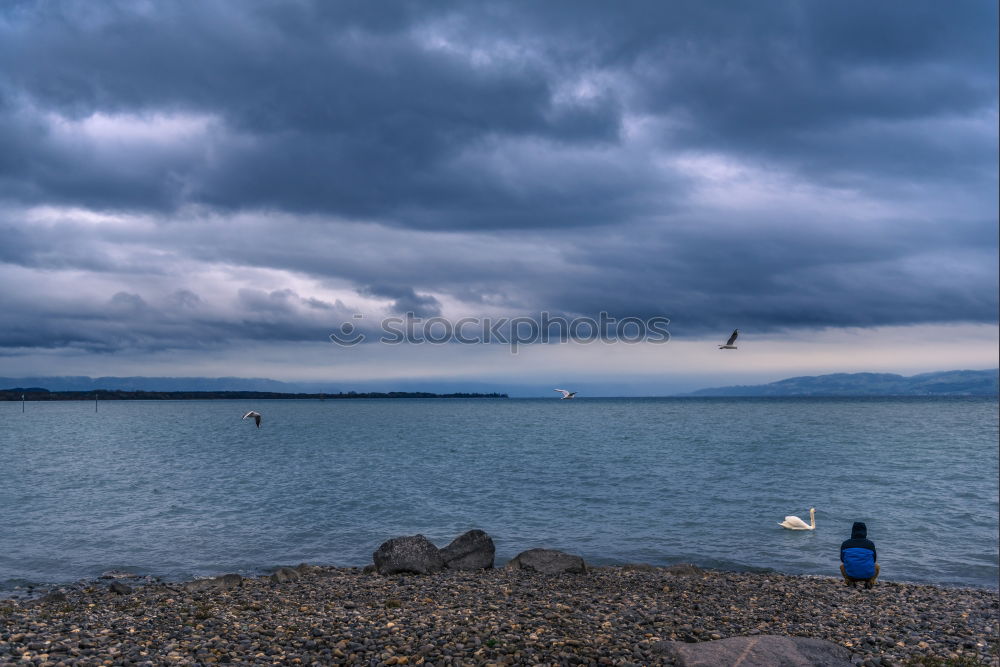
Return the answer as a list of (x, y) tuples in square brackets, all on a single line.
[(605, 616)]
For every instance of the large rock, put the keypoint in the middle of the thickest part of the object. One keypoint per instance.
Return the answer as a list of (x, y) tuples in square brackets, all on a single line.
[(411, 555), (473, 550), (760, 651), (547, 561)]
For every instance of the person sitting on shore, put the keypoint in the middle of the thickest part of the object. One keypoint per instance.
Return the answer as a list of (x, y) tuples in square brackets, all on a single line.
[(858, 557)]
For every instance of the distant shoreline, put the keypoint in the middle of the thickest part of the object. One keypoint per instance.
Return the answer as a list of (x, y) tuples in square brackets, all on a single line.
[(39, 394)]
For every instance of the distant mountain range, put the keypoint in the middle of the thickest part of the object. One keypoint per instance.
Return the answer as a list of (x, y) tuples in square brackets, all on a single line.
[(943, 383)]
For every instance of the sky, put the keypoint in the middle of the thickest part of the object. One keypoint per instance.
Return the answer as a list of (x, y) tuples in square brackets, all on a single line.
[(212, 188)]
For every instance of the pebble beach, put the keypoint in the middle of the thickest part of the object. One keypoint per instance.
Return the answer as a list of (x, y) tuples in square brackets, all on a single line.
[(605, 616)]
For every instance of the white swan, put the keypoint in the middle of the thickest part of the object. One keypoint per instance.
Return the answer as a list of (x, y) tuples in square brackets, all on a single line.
[(255, 415), (795, 523)]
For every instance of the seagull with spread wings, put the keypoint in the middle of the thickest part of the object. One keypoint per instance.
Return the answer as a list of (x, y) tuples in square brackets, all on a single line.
[(255, 415), (732, 339), (566, 394)]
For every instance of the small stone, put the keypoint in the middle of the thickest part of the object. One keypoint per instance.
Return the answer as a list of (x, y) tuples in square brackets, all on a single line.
[(284, 575), (225, 582), (547, 561)]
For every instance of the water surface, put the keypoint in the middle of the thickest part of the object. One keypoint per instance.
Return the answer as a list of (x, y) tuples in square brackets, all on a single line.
[(185, 488)]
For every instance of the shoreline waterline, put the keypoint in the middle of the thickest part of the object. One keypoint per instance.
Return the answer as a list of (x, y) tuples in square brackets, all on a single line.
[(28, 590)]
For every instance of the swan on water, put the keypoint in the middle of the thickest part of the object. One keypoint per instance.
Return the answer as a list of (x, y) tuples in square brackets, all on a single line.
[(566, 394), (255, 415), (732, 339), (795, 523)]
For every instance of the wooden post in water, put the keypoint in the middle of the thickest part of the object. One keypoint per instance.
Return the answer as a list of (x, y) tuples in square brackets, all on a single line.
[(95, 401), (22, 402)]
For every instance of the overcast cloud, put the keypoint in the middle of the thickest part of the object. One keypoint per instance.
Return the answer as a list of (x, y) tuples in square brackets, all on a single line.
[(191, 175)]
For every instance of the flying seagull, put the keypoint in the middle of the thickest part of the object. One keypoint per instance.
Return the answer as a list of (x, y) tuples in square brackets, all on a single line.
[(255, 415), (566, 394), (729, 343)]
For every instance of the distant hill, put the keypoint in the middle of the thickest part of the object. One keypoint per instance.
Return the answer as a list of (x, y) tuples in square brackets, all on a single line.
[(942, 383)]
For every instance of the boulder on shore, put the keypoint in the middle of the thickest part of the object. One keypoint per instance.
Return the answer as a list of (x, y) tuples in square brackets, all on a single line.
[(473, 550), (760, 651), (548, 561), (414, 554)]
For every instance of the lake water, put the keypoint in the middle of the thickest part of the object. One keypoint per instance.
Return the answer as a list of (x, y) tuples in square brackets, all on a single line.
[(180, 489)]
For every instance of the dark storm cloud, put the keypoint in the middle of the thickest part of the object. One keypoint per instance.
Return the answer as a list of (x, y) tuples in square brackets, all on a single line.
[(183, 298), (777, 166), (180, 320), (127, 303), (767, 280), (314, 112), (330, 109), (405, 300)]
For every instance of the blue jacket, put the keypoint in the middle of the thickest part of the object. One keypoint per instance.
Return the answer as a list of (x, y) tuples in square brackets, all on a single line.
[(858, 553)]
